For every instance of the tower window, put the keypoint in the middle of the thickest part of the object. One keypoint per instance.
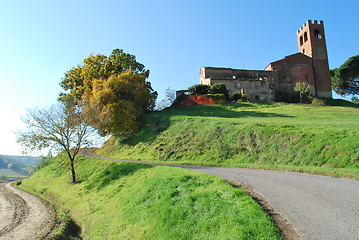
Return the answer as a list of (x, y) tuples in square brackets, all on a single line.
[(301, 40), (305, 36), (317, 34), (303, 50)]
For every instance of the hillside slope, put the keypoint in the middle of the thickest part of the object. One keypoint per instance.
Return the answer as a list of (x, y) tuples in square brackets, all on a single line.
[(137, 201), (318, 139)]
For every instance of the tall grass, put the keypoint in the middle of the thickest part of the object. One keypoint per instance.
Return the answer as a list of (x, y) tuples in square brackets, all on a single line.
[(267, 135), (135, 201)]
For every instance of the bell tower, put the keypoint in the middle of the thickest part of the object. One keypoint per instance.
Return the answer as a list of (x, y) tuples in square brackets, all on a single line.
[(311, 42)]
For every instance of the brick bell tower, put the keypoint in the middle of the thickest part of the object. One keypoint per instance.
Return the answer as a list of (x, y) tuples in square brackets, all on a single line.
[(311, 42)]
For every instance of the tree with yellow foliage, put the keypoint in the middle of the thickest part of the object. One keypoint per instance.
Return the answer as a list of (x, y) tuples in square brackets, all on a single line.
[(112, 91), (115, 104)]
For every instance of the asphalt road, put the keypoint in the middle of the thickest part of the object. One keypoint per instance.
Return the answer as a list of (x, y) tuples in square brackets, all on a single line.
[(317, 207)]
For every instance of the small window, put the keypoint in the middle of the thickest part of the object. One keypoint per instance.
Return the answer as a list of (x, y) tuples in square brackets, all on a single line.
[(238, 85), (257, 98), (301, 40), (303, 51), (305, 36), (317, 34)]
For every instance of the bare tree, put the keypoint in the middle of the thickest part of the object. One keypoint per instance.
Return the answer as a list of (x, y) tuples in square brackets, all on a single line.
[(168, 100), (60, 127)]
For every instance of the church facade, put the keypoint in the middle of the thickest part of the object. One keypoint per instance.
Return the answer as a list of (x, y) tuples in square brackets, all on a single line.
[(309, 65)]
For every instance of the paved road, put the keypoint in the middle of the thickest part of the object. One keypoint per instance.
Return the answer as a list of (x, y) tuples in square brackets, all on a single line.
[(318, 207)]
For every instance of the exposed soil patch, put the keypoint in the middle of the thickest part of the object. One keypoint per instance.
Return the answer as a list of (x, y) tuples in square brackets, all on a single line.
[(23, 215)]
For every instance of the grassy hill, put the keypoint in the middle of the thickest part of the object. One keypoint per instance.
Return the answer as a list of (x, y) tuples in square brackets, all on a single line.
[(136, 201), (317, 139)]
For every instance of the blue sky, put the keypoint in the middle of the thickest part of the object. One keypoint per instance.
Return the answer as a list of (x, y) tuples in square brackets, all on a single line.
[(41, 40)]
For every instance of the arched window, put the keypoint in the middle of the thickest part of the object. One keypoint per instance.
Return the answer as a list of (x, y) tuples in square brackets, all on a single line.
[(305, 36), (317, 34), (301, 40)]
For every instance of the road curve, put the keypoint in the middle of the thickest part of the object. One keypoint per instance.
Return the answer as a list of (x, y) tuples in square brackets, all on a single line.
[(24, 216), (317, 207)]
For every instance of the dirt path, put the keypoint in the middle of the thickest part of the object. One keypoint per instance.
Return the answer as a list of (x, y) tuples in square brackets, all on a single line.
[(317, 207), (24, 216)]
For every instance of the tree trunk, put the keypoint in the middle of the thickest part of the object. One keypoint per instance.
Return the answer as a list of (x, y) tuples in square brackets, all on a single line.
[(72, 166), (73, 174)]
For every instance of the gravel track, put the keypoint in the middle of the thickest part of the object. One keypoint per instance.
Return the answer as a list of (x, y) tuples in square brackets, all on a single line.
[(24, 216)]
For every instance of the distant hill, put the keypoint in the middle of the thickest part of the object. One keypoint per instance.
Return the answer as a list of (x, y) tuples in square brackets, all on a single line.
[(3, 164), (16, 164), (23, 159)]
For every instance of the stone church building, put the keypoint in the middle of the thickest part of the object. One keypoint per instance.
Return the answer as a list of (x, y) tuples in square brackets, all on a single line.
[(309, 65)]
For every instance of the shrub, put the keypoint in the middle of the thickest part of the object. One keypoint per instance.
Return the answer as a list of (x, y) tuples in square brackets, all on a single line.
[(355, 99), (339, 102), (217, 98), (288, 97), (199, 89), (238, 96), (219, 88), (185, 100), (318, 102)]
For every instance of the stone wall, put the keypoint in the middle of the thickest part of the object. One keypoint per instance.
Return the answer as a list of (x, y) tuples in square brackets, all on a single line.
[(257, 84)]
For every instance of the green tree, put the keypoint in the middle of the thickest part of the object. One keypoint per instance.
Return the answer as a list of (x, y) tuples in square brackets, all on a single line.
[(303, 89), (115, 104), (61, 127), (345, 79)]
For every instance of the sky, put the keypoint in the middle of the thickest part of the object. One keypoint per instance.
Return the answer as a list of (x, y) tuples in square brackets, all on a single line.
[(41, 40)]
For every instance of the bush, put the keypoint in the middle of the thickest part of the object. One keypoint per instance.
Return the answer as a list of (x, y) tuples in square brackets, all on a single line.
[(318, 102), (339, 102), (199, 89), (288, 97), (219, 88), (217, 98), (238, 96), (185, 100), (355, 99)]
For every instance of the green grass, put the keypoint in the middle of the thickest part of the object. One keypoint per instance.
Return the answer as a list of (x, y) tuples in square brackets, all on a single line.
[(10, 173), (292, 137), (136, 201)]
